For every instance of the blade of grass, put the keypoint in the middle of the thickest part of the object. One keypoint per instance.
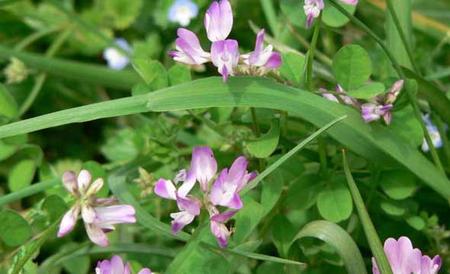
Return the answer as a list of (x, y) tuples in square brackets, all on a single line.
[(28, 191), (369, 229), (337, 237)]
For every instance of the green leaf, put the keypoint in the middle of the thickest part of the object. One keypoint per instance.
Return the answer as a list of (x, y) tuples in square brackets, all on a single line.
[(398, 184), (14, 230), (265, 145), (21, 175), (8, 106), (393, 208), (179, 74), (303, 192), (292, 66), (120, 13), (282, 233), (335, 236), (77, 265), (335, 201), (247, 219), (375, 142), (153, 72), (55, 207), (405, 124), (416, 222), (368, 91), (6, 150), (334, 18), (393, 40), (352, 66), (293, 10)]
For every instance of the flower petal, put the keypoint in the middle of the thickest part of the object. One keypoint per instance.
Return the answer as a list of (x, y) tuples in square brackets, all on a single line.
[(117, 214), (95, 187), (203, 166), (68, 221), (190, 205), (96, 235), (145, 271), (84, 180), (218, 20), (180, 220), (225, 56), (221, 232), (69, 180), (350, 2), (165, 189), (87, 213), (223, 217), (189, 50)]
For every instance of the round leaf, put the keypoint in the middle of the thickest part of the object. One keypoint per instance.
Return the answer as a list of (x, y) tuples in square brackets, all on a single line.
[(334, 18), (266, 144), (21, 175), (292, 66), (335, 202), (14, 230), (398, 184), (352, 67)]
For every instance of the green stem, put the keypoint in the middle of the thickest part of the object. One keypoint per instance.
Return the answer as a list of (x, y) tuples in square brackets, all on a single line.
[(445, 144), (31, 190), (30, 39), (256, 128), (310, 56), (412, 99), (369, 229), (391, 9), (271, 16), (40, 79), (322, 155)]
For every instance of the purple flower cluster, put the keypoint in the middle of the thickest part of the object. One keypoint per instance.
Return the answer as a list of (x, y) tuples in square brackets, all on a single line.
[(99, 214), (313, 8), (220, 190), (404, 259), (116, 266), (373, 110), (224, 52)]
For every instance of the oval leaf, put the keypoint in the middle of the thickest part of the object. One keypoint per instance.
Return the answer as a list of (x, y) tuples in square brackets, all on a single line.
[(335, 202), (14, 230), (352, 66), (21, 175), (264, 146)]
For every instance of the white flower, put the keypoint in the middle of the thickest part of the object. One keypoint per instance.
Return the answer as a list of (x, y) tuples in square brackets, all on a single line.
[(182, 12), (116, 59)]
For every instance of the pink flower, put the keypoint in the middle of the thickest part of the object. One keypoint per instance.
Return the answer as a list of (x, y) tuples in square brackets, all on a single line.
[(372, 112), (218, 20), (189, 206), (313, 8), (203, 166), (262, 57), (116, 266), (99, 215), (188, 48), (225, 190), (225, 56), (404, 259), (342, 94)]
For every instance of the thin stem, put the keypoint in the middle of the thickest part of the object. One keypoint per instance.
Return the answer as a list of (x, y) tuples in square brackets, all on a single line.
[(271, 16), (310, 56), (394, 16), (30, 39), (256, 128), (31, 190), (40, 79), (322, 155), (412, 99), (369, 229)]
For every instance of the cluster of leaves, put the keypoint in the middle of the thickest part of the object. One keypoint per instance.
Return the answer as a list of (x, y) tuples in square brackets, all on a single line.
[(173, 110)]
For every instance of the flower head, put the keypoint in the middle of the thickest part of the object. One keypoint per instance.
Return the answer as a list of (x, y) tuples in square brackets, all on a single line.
[(312, 10), (116, 59), (225, 56), (262, 57), (182, 12), (188, 49), (116, 266), (224, 192), (218, 20), (372, 112), (341, 95), (433, 132), (404, 259), (99, 215)]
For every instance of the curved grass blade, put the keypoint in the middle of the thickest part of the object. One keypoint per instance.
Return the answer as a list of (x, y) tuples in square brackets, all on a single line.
[(369, 229), (374, 142), (338, 238), (28, 191)]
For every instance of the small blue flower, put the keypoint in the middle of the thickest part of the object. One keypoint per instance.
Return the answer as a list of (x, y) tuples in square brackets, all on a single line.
[(114, 58), (182, 12), (433, 132)]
